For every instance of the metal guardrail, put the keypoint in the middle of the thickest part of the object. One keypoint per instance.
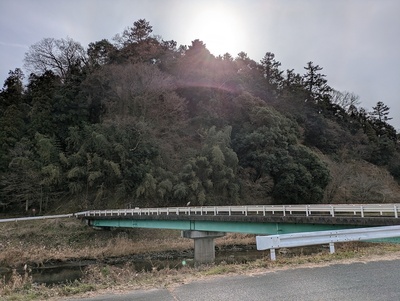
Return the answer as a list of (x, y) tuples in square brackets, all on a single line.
[(361, 210), (31, 218), (388, 210), (273, 242)]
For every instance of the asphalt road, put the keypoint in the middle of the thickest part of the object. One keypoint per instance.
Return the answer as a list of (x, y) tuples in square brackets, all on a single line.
[(379, 280)]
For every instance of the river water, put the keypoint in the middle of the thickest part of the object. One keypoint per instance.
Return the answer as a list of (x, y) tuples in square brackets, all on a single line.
[(63, 272)]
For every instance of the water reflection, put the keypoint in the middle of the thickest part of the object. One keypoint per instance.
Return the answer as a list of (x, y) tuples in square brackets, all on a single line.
[(55, 273)]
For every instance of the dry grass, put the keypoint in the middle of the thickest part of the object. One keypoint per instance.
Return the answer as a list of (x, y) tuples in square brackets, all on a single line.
[(236, 238), (39, 242), (105, 278), (69, 239), (62, 240)]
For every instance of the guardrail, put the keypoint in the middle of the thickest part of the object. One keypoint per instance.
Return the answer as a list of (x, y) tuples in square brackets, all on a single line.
[(31, 218), (273, 242), (362, 210)]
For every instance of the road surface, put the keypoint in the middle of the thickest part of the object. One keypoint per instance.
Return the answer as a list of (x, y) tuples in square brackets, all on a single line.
[(376, 280)]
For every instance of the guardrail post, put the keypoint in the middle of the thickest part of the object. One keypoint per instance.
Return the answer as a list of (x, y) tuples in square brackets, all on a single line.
[(362, 211), (272, 254), (284, 210), (332, 211), (395, 211), (331, 247)]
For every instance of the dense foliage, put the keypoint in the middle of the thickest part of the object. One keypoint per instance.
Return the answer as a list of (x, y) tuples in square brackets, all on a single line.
[(142, 122)]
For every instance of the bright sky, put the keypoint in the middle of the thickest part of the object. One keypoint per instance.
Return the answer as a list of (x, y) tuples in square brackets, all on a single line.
[(355, 41)]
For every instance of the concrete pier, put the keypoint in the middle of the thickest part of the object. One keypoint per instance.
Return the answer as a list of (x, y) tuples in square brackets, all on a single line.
[(204, 245)]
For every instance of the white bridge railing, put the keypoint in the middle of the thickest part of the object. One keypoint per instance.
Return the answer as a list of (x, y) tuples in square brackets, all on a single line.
[(32, 218), (361, 210), (273, 242)]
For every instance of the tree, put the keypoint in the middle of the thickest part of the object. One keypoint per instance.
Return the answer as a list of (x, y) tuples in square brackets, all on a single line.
[(13, 115), (41, 93), (209, 177), (346, 100), (301, 177), (100, 53), (20, 185), (293, 95), (271, 72), (59, 56), (106, 162), (12, 127), (380, 112), (269, 146), (315, 83), (140, 91), (379, 121), (13, 89), (140, 31)]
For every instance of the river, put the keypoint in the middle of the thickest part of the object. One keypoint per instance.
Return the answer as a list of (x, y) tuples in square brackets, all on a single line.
[(62, 272)]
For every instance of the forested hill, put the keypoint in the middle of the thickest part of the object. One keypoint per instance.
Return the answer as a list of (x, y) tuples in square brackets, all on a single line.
[(141, 122)]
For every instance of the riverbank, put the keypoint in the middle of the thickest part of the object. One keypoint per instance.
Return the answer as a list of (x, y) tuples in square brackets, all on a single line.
[(113, 255)]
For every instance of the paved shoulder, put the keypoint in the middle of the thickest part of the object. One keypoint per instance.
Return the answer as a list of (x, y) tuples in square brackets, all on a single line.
[(357, 281), (140, 295), (377, 280)]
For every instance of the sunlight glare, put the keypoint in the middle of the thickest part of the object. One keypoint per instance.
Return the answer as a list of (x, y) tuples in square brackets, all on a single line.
[(219, 27)]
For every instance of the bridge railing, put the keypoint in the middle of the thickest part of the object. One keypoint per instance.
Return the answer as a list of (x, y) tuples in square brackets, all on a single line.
[(32, 218), (361, 210)]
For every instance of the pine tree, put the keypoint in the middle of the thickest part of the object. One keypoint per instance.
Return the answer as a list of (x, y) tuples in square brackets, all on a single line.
[(381, 112), (315, 83)]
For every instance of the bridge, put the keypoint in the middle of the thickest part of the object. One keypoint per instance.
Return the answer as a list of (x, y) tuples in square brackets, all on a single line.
[(204, 224)]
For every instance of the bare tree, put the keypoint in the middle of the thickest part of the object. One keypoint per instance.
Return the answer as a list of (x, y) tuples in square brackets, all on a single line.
[(347, 100), (58, 56)]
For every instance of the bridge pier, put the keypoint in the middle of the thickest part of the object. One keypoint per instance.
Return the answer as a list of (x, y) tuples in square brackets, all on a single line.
[(204, 245)]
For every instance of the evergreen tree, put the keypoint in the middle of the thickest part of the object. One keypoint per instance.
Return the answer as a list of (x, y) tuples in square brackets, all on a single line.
[(13, 111), (272, 74), (316, 84), (381, 112)]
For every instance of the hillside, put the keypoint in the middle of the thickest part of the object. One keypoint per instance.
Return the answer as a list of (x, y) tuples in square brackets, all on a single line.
[(142, 122)]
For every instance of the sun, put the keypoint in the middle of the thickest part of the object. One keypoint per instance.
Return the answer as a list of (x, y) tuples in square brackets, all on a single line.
[(220, 28)]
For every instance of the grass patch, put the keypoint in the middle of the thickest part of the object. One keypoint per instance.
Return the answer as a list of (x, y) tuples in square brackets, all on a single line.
[(103, 277), (35, 243), (220, 269)]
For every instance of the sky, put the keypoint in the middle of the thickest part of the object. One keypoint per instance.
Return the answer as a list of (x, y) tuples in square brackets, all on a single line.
[(356, 42)]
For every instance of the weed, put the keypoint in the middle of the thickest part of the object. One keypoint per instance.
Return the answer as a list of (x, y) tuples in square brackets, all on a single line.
[(220, 270), (75, 288), (68, 240)]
